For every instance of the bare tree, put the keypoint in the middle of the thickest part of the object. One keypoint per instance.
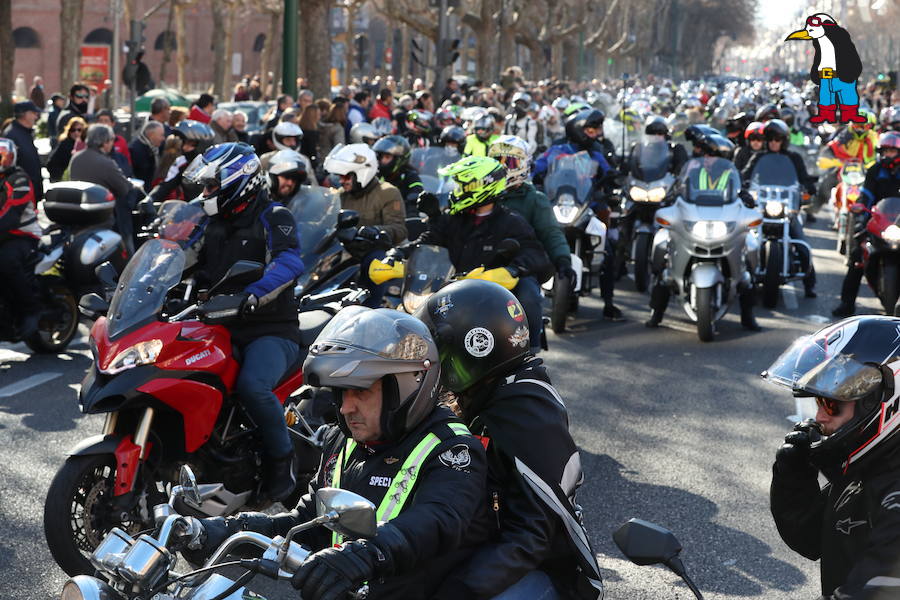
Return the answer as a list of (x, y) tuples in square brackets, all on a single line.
[(181, 49), (275, 10), (315, 45), (70, 41), (7, 58)]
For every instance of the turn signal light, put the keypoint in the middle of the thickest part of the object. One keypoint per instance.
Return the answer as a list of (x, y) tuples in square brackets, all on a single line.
[(755, 223), (662, 222)]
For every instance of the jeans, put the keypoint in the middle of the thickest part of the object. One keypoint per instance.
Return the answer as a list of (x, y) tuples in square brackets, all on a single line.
[(124, 221), (529, 294), (264, 362), (376, 292), (834, 91), (534, 586)]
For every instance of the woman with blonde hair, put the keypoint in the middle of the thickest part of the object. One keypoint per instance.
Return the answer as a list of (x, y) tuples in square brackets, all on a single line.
[(71, 140)]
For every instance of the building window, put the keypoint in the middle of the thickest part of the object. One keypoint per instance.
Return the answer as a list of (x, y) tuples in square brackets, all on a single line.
[(259, 42), (166, 37), (100, 35), (26, 37)]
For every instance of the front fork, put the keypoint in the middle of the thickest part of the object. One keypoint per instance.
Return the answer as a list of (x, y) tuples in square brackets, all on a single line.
[(131, 451)]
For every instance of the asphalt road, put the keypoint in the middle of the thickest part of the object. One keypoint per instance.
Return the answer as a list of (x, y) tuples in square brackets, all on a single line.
[(671, 430)]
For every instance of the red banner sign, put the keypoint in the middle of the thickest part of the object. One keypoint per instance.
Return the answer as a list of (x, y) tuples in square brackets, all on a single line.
[(94, 66)]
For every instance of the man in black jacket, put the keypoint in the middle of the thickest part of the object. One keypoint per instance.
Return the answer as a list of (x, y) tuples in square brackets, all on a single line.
[(392, 445), (144, 150), (79, 94), (475, 227), (852, 524), (538, 546), (245, 225), (21, 132)]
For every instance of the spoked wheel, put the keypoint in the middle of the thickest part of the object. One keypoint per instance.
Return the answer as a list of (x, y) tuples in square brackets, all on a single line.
[(58, 322), (78, 513)]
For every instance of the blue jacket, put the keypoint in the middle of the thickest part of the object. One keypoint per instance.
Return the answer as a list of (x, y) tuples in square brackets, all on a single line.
[(543, 162), (28, 159), (880, 184)]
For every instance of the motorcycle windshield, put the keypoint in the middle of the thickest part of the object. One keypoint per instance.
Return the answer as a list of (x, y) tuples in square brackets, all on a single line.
[(812, 366), (573, 173), (149, 275), (315, 211), (427, 270), (652, 159), (709, 181), (774, 168), (427, 161), (853, 173), (178, 220), (890, 208)]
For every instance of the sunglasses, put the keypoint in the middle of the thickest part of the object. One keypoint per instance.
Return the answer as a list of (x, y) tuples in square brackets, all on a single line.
[(817, 22), (831, 407), (77, 129), (82, 96)]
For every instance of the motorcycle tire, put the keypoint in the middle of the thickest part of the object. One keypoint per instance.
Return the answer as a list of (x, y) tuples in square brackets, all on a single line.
[(771, 282), (642, 262), (706, 327), (889, 286), (562, 291), (58, 323), (76, 514)]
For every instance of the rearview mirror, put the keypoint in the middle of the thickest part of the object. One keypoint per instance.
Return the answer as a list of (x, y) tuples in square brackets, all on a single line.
[(646, 543), (347, 219), (93, 306), (355, 514), (240, 273), (107, 274), (189, 486)]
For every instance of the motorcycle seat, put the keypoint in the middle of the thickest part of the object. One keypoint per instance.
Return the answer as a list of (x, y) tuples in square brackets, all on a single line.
[(312, 322)]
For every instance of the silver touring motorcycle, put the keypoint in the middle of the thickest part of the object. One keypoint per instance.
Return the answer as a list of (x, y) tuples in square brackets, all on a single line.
[(701, 252)]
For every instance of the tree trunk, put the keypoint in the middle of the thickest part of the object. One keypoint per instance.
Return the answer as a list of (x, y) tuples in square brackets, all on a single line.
[(315, 38), (401, 54), (265, 57), (227, 93), (70, 43), (350, 44), (7, 58), (181, 55), (167, 44), (556, 59), (506, 43), (218, 42)]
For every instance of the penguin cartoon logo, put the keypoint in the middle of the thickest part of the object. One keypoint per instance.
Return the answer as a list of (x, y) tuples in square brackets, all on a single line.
[(836, 68)]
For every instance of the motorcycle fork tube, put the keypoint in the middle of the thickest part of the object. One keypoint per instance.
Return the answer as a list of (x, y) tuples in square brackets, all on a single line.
[(109, 424), (143, 431), (786, 251)]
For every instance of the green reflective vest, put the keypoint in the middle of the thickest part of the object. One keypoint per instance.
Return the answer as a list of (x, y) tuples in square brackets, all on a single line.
[(721, 184), (404, 481)]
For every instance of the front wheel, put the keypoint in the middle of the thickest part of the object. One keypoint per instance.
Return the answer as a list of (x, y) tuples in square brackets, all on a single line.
[(772, 278), (562, 292), (642, 261), (78, 512), (706, 313)]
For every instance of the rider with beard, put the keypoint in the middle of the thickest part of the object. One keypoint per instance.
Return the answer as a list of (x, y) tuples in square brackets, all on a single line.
[(882, 181), (188, 141), (519, 123), (79, 94), (245, 224), (582, 131), (382, 215), (755, 141), (539, 547), (851, 524), (287, 172), (393, 154)]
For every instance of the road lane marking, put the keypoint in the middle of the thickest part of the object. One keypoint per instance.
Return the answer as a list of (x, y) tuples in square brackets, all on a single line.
[(26, 384), (789, 294)]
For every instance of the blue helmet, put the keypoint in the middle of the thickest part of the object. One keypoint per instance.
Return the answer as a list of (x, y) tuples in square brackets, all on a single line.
[(231, 178)]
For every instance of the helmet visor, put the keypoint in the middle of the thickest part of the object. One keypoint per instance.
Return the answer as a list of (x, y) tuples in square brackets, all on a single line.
[(201, 172), (810, 366), (377, 331)]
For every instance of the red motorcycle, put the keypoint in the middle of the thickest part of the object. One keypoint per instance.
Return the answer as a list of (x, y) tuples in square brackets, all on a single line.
[(881, 252), (163, 374)]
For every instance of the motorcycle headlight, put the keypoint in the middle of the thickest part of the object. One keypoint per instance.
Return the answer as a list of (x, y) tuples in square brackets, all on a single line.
[(143, 353), (412, 301), (565, 211), (657, 194), (774, 209), (891, 234), (82, 587), (709, 230), (638, 194)]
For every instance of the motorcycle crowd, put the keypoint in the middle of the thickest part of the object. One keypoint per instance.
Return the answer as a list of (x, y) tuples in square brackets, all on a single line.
[(356, 335)]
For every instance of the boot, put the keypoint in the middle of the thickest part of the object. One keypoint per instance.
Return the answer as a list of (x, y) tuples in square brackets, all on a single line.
[(612, 313), (844, 310), (827, 114), (659, 300), (748, 321), (849, 291), (278, 477), (849, 114)]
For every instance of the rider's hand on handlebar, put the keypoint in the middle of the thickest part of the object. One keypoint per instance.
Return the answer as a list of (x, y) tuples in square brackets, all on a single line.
[(747, 198), (373, 234), (565, 271), (335, 572)]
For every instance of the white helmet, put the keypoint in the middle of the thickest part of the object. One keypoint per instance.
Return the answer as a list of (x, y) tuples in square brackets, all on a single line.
[(353, 158), (512, 152), (548, 113), (364, 133), (286, 129)]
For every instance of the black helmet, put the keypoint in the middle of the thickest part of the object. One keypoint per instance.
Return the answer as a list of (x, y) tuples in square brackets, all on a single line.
[(776, 129), (718, 145), (789, 116), (361, 345), (767, 112), (395, 146), (195, 131), (848, 361), (696, 133), (418, 121), (480, 329), (576, 124), (454, 134), (483, 127), (230, 176), (738, 123), (656, 125)]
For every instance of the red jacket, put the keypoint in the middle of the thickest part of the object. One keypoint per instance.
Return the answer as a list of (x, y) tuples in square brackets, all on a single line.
[(122, 146), (198, 114), (18, 206), (379, 110)]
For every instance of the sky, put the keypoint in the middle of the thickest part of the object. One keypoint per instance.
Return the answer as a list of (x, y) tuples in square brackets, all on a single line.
[(781, 14)]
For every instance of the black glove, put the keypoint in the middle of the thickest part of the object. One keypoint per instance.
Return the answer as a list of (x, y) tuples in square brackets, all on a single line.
[(249, 304), (793, 456), (564, 270), (217, 529), (428, 204), (373, 234), (331, 573), (747, 199)]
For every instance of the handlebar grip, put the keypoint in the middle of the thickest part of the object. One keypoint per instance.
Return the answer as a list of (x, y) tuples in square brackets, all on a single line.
[(361, 594)]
